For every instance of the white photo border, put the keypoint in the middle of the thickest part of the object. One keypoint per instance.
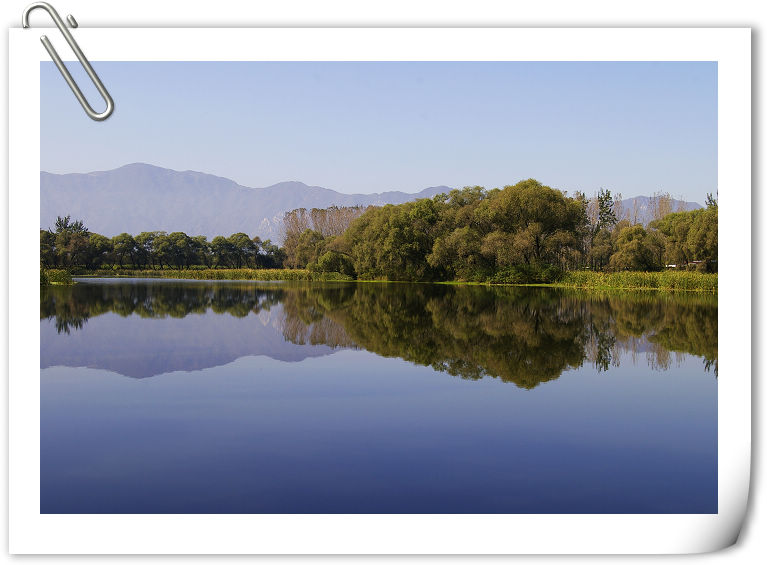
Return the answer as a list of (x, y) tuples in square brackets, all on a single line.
[(32, 532)]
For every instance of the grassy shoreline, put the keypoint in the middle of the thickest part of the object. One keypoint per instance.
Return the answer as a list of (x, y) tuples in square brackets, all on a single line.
[(585, 280), (217, 274), (687, 281)]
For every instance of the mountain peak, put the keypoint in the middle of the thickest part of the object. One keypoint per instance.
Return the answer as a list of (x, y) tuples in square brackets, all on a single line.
[(139, 197), (291, 185), (137, 167), (141, 165)]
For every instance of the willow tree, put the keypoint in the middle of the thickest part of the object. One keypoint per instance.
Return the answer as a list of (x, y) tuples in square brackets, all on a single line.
[(637, 250)]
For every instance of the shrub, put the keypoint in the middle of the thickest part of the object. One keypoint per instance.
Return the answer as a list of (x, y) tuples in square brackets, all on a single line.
[(334, 262), (58, 276), (527, 274)]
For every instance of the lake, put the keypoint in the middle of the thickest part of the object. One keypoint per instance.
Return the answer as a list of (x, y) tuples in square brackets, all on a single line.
[(163, 396)]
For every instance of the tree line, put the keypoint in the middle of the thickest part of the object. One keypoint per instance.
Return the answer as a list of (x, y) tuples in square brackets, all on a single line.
[(71, 244), (527, 232)]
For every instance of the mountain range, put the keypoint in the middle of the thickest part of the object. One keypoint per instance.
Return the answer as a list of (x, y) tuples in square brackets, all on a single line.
[(141, 197)]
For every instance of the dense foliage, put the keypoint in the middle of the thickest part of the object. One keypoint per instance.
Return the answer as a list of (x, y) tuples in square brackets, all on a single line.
[(525, 233), (70, 245), (470, 234), (690, 236)]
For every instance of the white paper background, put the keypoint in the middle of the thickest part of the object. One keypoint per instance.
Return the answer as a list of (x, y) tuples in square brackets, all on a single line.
[(737, 319)]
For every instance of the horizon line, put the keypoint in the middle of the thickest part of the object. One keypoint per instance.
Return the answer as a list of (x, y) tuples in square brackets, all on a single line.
[(142, 163)]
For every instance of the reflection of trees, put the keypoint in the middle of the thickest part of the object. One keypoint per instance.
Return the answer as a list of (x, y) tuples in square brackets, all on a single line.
[(520, 335), (306, 314), (69, 313), (72, 306), (678, 323), (468, 331)]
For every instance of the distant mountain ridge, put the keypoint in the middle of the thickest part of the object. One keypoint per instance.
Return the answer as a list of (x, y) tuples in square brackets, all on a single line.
[(141, 197), (644, 210), (167, 344)]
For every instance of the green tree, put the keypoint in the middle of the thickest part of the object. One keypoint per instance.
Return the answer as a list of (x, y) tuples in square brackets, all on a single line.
[(462, 254), (201, 251), (603, 217), (180, 250), (335, 262), (703, 237), (542, 220), (675, 229), (393, 242), (309, 246), (243, 249), (100, 251), (47, 248), (124, 247), (146, 251), (223, 252), (70, 241), (174, 249), (607, 217), (467, 234), (690, 236), (601, 250), (271, 256), (637, 250)]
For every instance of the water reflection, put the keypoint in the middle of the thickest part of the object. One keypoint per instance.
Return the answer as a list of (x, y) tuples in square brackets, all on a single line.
[(521, 335)]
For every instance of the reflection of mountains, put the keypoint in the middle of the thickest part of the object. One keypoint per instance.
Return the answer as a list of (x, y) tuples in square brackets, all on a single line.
[(164, 327), (519, 335)]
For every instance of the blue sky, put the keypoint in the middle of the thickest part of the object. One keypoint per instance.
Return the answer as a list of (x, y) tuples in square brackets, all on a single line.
[(632, 127)]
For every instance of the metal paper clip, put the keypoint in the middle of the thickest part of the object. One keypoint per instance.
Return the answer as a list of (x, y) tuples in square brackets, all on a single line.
[(80, 56)]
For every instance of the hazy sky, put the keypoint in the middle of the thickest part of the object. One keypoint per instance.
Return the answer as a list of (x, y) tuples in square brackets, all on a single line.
[(634, 128)]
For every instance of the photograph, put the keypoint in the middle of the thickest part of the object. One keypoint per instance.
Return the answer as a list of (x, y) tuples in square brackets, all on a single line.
[(380, 287)]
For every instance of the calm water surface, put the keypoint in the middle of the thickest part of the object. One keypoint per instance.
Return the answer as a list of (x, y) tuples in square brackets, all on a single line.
[(232, 397)]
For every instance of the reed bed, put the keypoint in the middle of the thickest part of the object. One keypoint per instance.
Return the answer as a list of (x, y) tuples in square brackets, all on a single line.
[(636, 280), (221, 274), (590, 280)]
